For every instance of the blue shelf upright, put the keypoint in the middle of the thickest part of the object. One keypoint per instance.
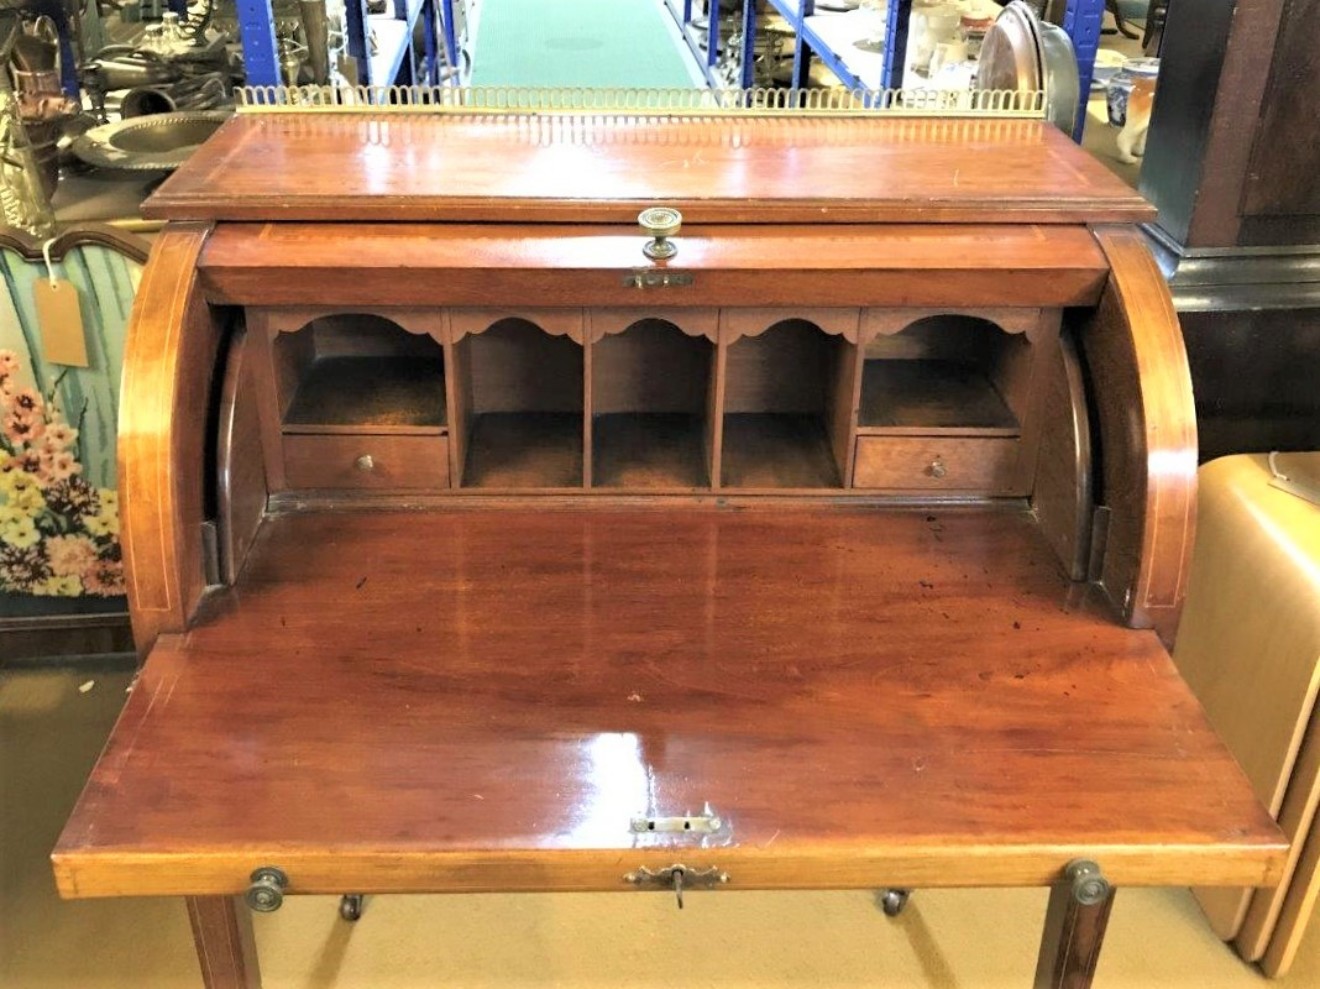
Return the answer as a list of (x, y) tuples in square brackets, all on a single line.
[(746, 73), (451, 36), (873, 74), (1083, 21), (896, 43), (707, 56), (256, 29), (355, 26)]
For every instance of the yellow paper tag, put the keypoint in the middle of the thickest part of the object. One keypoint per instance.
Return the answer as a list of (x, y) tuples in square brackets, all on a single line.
[(60, 317)]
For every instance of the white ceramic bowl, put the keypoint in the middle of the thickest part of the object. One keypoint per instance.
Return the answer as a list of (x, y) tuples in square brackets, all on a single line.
[(1107, 64)]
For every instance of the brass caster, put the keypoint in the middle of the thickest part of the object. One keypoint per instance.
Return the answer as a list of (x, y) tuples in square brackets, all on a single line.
[(892, 901), (350, 906)]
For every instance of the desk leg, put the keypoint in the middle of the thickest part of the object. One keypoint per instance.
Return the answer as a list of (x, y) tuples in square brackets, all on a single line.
[(226, 948), (1074, 930)]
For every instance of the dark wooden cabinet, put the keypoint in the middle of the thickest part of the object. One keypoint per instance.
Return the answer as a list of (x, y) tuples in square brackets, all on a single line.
[(1231, 165), (841, 536)]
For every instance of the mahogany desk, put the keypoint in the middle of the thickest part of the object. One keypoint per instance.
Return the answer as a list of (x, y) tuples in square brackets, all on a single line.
[(472, 549)]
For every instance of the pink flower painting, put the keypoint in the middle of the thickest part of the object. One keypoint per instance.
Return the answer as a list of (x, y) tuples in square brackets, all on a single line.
[(59, 535)]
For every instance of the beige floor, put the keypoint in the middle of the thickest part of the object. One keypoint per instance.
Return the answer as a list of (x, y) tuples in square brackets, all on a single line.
[(49, 737)]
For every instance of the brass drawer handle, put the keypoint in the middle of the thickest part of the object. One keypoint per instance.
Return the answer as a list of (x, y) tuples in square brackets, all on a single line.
[(937, 469), (365, 463)]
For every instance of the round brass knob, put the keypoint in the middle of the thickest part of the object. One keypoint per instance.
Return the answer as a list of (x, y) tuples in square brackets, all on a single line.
[(266, 894), (660, 223), (365, 462), (937, 468)]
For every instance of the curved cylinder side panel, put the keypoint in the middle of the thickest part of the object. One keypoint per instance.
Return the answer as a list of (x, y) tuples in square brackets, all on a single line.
[(1141, 389), (169, 359)]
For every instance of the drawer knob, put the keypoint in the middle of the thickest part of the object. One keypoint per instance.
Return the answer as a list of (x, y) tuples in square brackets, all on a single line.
[(1088, 884), (660, 223), (365, 462), (937, 468), (266, 894)]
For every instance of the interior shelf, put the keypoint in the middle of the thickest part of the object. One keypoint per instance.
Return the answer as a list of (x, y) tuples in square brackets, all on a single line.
[(785, 389), (524, 450), (650, 400), (402, 393), (359, 372), (520, 407), (777, 450), (652, 404), (649, 450), (917, 396)]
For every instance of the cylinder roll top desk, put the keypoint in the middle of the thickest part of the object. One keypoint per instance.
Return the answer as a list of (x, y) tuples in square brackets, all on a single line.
[(820, 532)]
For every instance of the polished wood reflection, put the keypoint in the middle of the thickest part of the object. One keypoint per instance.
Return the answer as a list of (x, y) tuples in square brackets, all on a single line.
[(482, 699), (572, 265), (530, 168)]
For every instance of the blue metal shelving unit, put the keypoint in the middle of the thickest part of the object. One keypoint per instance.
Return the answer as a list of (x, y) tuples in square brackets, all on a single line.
[(1082, 21), (709, 56), (395, 61), (856, 71)]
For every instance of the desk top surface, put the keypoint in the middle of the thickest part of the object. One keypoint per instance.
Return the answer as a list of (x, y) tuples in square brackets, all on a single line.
[(603, 169), (484, 699)]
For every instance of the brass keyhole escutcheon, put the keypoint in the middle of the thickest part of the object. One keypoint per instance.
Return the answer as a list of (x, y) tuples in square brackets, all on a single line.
[(677, 877)]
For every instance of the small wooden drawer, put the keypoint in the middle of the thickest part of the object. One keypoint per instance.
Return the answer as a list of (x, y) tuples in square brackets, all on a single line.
[(366, 461), (938, 463)]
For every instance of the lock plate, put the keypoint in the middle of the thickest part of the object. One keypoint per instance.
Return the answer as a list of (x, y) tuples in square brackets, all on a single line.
[(707, 822)]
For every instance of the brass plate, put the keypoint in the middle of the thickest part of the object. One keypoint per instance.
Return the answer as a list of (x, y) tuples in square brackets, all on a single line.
[(1010, 55)]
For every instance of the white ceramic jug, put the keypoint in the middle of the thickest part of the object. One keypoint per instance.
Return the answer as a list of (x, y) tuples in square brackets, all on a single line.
[(932, 22)]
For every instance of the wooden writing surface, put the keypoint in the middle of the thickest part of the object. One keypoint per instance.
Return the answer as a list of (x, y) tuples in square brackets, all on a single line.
[(855, 691)]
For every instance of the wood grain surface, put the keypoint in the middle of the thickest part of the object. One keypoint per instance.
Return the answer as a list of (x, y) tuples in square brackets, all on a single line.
[(965, 463), (241, 489), (562, 265), (170, 356), (226, 947), (583, 169), (334, 460), (1141, 388), (483, 700), (1062, 497)]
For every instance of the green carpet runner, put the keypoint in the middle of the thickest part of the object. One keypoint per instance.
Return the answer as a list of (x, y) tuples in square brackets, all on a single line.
[(593, 43)]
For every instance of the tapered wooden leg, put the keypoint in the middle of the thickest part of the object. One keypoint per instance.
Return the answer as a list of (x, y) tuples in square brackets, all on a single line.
[(226, 948), (1074, 929)]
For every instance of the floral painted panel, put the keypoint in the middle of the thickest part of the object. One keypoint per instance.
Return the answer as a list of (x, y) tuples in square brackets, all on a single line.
[(59, 510)]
